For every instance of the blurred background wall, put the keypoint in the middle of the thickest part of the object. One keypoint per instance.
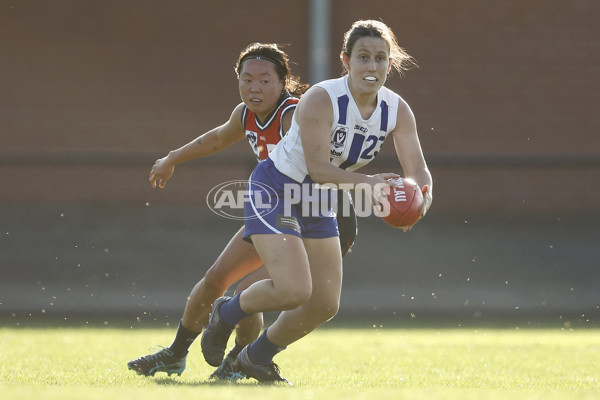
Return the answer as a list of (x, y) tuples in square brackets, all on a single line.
[(506, 98)]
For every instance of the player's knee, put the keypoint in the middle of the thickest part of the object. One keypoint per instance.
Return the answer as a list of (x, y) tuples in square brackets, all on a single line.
[(294, 296), (213, 281), (329, 310), (325, 310), (295, 300)]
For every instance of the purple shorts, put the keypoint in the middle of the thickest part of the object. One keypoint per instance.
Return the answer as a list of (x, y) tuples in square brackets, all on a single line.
[(278, 204)]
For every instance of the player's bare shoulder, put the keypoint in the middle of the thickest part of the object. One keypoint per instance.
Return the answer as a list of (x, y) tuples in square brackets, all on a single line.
[(314, 104), (405, 120), (232, 130), (234, 123), (404, 110), (236, 114)]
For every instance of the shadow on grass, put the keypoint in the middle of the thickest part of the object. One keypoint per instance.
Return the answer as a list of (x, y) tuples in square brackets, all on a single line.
[(218, 383)]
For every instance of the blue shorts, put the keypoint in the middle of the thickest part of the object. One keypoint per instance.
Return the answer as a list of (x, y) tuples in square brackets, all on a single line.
[(274, 205)]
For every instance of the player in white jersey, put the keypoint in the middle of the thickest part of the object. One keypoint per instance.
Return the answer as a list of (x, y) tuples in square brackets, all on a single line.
[(339, 126), (354, 140)]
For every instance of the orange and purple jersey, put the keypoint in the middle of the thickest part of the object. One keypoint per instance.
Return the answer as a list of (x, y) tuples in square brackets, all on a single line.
[(264, 137)]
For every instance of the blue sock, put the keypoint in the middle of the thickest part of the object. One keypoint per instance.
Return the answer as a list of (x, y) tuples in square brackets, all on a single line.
[(231, 312), (262, 350)]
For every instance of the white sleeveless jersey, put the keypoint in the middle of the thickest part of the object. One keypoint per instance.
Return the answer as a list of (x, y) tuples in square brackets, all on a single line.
[(354, 141)]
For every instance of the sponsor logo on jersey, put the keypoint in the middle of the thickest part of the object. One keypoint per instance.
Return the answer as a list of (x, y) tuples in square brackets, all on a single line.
[(362, 129), (338, 141)]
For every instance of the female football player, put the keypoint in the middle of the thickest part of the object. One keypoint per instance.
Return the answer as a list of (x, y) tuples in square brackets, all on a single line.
[(339, 126), (267, 90)]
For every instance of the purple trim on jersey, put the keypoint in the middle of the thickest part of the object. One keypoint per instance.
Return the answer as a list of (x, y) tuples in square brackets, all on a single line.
[(354, 152), (343, 102), (384, 116)]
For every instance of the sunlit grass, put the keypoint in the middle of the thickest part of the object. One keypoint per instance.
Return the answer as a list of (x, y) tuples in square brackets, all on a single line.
[(331, 363)]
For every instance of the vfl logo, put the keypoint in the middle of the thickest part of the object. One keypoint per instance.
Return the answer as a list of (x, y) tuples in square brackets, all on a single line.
[(338, 141), (228, 199), (252, 139)]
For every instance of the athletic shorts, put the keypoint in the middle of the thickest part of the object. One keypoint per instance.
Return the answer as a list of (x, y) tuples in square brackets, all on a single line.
[(268, 209)]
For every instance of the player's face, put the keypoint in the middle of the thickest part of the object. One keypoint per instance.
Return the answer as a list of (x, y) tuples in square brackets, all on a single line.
[(368, 65), (260, 87)]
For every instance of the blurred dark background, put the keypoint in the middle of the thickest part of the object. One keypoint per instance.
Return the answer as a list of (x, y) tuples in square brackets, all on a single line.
[(506, 99)]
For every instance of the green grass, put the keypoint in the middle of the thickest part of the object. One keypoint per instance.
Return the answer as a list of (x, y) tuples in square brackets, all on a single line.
[(331, 363)]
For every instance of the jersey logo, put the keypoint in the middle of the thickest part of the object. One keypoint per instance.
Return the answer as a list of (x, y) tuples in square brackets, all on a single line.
[(252, 139), (338, 141)]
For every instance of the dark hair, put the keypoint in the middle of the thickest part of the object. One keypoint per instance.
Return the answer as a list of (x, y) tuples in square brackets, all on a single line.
[(401, 60), (270, 52)]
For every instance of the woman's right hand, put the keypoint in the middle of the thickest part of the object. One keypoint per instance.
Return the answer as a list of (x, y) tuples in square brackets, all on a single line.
[(161, 172), (380, 188)]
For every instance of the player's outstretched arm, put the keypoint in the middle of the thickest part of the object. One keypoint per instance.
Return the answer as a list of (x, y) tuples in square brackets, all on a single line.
[(206, 144)]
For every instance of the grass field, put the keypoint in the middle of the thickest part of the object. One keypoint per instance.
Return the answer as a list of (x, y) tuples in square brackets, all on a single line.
[(331, 363)]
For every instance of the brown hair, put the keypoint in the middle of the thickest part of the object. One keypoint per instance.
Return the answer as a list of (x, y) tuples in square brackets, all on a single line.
[(270, 52), (401, 60)]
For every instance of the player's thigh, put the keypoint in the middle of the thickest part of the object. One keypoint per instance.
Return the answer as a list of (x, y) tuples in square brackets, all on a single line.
[(284, 257), (325, 260), (237, 260)]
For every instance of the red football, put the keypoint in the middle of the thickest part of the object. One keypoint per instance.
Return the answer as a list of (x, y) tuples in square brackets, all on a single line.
[(406, 203)]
